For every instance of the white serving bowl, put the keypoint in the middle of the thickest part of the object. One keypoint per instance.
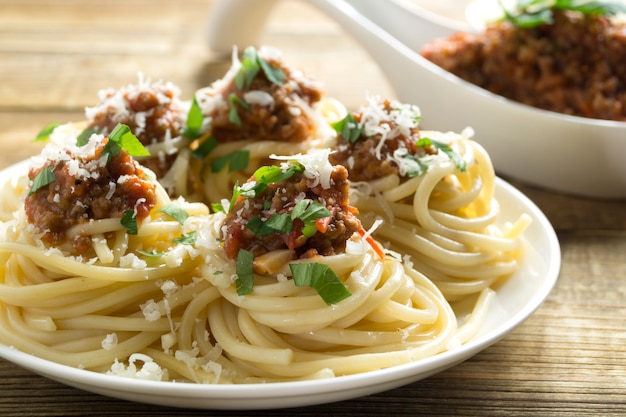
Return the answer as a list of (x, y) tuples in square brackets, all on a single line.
[(571, 154)]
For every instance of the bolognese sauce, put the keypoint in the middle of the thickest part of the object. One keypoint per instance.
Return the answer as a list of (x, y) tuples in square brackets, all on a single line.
[(85, 184), (154, 113), (299, 213), (374, 141), (574, 65), (262, 98)]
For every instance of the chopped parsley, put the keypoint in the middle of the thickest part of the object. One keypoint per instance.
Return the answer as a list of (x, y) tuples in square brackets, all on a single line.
[(420, 166), (175, 212), (235, 161), (445, 148), (44, 177), (251, 64), (129, 221), (321, 278), (277, 223), (233, 114), (264, 176), (122, 138), (272, 173), (195, 118), (44, 134), (83, 138), (309, 211), (205, 148), (218, 208), (151, 254), (532, 13), (187, 238), (349, 128), (245, 274)]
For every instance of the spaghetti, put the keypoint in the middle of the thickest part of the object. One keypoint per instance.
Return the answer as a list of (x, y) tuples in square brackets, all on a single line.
[(340, 256), (436, 193)]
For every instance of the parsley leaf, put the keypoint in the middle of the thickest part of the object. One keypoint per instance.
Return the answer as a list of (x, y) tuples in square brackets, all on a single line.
[(129, 221), (251, 63), (152, 254), (445, 148), (309, 211), (218, 208), (245, 275), (321, 278), (205, 148), (122, 138), (249, 68), (532, 13), (233, 114), (421, 166), (272, 173), (236, 161), (175, 212), (349, 128), (187, 238), (195, 117), (83, 138), (278, 223), (44, 134), (44, 177), (274, 74)]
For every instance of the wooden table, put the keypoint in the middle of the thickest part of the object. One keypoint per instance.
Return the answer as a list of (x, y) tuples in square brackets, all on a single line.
[(568, 359)]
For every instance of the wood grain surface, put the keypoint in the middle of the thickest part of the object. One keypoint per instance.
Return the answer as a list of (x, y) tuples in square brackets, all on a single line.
[(568, 359)]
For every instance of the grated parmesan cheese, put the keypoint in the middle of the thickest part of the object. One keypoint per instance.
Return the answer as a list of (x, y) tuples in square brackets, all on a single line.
[(109, 342), (150, 310), (316, 165), (150, 370)]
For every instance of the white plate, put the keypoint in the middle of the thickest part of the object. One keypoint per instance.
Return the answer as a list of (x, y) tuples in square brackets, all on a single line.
[(516, 300)]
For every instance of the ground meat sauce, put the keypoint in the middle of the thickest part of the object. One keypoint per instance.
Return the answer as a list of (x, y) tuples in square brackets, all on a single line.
[(152, 112), (280, 197), (574, 66), (361, 158), (73, 199), (284, 118)]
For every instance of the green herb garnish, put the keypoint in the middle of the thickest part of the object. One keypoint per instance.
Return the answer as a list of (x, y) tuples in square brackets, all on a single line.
[(233, 114), (251, 63), (445, 148), (321, 278), (46, 176), (83, 138), (309, 211), (195, 118), (175, 212), (152, 254), (122, 138), (129, 221), (278, 223), (421, 166), (44, 134), (245, 274), (532, 13), (264, 176), (349, 128), (218, 208), (235, 161), (205, 148), (272, 173), (187, 238)]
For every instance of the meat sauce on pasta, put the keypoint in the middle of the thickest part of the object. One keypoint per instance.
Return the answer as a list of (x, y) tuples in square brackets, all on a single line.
[(286, 239)]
